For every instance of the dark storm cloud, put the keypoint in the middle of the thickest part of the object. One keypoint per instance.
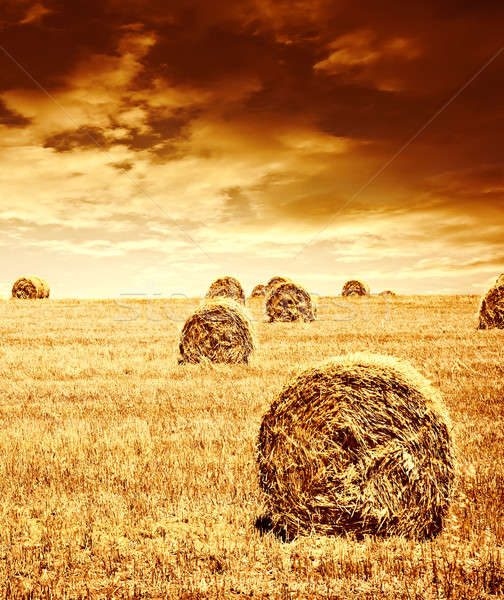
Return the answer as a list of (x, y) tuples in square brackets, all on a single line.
[(370, 73), (50, 47), (82, 138), (122, 166), (11, 118)]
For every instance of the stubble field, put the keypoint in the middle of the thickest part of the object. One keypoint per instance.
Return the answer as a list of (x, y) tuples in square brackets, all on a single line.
[(125, 475)]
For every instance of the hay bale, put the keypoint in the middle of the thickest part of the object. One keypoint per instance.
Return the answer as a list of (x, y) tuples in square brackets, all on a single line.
[(226, 287), (289, 302), (259, 291), (30, 288), (491, 311), (387, 293), (218, 331), (274, 281), (500, 281), (354, 287), (357, 444)]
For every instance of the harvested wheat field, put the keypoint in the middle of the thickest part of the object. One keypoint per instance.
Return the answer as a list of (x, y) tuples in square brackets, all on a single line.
[(124, 475)]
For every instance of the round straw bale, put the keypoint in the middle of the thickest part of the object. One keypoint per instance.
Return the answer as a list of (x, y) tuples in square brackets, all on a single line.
[(226, 287), (274, 281), (357, 444), (30, 288), (387, 293), (491, 312), (259, 291), (289, 302), (500, 281), (354, 287), (218, 331)]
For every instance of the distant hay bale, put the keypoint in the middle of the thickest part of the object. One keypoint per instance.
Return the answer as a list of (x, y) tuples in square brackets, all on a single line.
[(259, 291), (491, 312), (357, 444), (289, 302), (274, 281), (218, 331), (30, 288), (387, 293), (354, 287), (226, 287)]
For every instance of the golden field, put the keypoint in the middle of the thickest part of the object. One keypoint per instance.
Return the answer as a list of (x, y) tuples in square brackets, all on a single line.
[(125, 475)]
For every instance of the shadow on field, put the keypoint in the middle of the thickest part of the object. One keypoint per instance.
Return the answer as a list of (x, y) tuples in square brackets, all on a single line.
[(264, 524)]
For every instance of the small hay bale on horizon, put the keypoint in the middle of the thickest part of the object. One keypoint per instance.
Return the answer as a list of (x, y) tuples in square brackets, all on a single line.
[(30, 288), (289, 301), (359, 444), (218, 331), (274, 281), (259, 291), (226, 287), (355, 287), (491, 311), (387, 293)]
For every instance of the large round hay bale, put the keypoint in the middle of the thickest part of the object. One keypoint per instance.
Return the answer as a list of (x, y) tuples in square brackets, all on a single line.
[(491, 312), (226, 287), (30, 288), (355, 287), (357, 444), (274, 281), (289, 302), (218, 331), (500, 281), (259, 291)]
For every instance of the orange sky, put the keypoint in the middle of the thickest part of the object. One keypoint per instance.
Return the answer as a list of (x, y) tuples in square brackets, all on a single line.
[(149, 147)]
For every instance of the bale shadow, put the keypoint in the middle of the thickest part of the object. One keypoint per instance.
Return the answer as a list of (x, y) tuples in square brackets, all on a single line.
[(264, 524)]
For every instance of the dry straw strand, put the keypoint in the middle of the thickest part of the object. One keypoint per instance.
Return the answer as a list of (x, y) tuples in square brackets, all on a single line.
[(227, 287), (355, 287), (491, 311), (218, 331), (289, 302), (358, 444), (30, 288), (259, 291)]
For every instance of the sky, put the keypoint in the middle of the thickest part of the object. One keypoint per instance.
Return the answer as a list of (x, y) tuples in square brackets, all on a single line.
[(149, 147)]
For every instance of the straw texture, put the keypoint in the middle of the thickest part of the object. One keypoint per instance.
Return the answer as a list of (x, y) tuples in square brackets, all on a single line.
[(227, 287), (30, 288), (354, 287), (289, 302), (219, 331), (357, 444), (491, 311)]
